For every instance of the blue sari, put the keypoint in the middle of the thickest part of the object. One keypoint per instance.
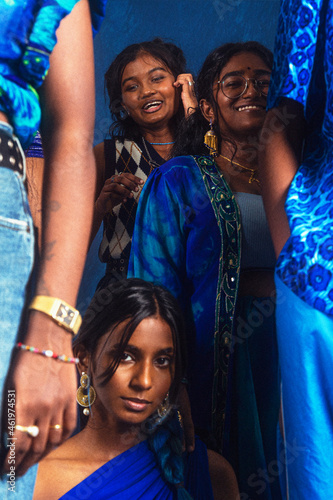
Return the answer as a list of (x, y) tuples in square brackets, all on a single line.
[(135, 474), (187, 237)]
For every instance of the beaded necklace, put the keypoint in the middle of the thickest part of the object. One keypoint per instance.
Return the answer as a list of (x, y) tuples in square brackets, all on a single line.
[(160, 143)]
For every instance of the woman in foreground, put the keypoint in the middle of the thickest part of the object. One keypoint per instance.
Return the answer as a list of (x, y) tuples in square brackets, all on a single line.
[(131, 348)]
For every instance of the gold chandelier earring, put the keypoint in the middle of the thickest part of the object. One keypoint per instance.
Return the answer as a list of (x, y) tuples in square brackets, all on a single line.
[(210, 140), (164, 409), (86, 394)]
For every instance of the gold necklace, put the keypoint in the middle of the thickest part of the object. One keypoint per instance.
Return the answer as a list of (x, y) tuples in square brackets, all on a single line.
[(253, 177)]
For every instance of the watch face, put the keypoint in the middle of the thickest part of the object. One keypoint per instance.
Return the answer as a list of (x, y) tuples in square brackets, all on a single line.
[(65, 314)]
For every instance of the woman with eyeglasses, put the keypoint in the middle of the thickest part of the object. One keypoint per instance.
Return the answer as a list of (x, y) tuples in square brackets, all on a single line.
[(201, 231)]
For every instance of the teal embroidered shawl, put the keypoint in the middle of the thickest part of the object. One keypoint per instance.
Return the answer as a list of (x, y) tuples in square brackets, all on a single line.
[(187, 237)]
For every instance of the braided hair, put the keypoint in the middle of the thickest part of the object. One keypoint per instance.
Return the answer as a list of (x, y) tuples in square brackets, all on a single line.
[(166, 442)]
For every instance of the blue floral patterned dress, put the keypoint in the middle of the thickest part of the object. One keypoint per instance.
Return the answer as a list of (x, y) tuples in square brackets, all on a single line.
[(303, 71)]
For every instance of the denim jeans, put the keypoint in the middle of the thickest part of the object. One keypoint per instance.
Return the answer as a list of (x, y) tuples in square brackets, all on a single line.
[(16, 262)]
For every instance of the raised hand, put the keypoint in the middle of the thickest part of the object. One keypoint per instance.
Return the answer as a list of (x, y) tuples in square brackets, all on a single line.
[(188, 97)]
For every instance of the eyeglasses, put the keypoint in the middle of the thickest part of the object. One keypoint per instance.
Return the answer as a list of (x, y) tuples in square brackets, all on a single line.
[(235, 86)]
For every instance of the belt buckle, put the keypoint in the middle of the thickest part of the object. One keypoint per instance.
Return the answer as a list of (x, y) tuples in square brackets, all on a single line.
[(11, 153)]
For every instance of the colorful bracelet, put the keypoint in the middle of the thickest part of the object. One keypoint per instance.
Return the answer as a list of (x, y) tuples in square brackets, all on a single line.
[(48, 353)]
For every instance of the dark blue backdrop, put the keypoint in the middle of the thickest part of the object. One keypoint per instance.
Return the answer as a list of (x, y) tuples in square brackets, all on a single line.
[(197, 26)]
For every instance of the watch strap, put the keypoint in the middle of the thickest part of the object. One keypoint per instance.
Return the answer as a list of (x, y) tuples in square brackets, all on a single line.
[(63, 314)]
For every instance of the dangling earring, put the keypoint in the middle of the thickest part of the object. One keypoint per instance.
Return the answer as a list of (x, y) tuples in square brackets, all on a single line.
[(86, 394), (210, 140), (164, 409), (158, 416)]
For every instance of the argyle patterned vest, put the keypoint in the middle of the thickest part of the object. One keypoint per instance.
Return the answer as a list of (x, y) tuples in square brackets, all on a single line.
[(124, 156)]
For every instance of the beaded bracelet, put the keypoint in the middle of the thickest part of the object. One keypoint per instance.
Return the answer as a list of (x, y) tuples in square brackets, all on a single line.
[(48, 353)]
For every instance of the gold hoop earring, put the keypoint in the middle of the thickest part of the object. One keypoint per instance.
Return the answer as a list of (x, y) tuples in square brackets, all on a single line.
[(86, 394), (210, 140)]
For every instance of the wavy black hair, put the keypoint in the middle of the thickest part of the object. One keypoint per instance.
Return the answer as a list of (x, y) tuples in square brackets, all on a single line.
[(166, 52), (134, 300), (189, 140)]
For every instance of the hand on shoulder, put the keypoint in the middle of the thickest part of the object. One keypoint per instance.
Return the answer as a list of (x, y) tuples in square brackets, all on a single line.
[(188, 96)]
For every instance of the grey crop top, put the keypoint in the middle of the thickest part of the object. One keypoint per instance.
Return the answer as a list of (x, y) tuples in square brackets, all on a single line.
[(257, 248)]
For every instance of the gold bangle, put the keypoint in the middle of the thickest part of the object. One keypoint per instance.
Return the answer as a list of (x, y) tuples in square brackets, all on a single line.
[(61, 312)]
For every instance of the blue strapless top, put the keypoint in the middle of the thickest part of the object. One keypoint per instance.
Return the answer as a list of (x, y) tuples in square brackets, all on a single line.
[(135, 474)]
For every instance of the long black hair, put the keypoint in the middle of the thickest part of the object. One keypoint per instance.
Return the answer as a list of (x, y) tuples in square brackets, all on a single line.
[(189, 139), (135, 300), (168, 53)]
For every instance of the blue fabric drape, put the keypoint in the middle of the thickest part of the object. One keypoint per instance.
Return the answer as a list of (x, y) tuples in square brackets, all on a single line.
[(306, 353), (303, 71), (135, 474)]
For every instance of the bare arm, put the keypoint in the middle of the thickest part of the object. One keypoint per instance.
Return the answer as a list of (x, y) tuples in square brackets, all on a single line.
[(222, 476), (45, 388), (281, 145)]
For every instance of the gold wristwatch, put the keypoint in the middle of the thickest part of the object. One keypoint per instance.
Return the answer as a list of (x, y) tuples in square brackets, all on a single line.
[(62, 313)]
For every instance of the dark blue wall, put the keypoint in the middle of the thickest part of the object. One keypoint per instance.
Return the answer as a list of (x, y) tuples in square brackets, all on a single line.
[(197, 26)]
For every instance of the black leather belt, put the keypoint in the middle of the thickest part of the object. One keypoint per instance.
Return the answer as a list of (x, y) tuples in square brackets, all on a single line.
[(10, 153)]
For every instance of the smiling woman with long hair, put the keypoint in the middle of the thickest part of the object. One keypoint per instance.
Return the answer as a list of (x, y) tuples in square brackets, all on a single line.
[(208, 242), (131, 349), (149, 94)]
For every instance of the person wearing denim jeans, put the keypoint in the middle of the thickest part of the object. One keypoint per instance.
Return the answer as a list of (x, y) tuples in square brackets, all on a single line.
[(40, 391), (16, 262)]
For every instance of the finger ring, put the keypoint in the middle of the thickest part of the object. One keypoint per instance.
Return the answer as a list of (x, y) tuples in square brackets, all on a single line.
[(31, 430), (191, 83), (113, 178), (56, 427)]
